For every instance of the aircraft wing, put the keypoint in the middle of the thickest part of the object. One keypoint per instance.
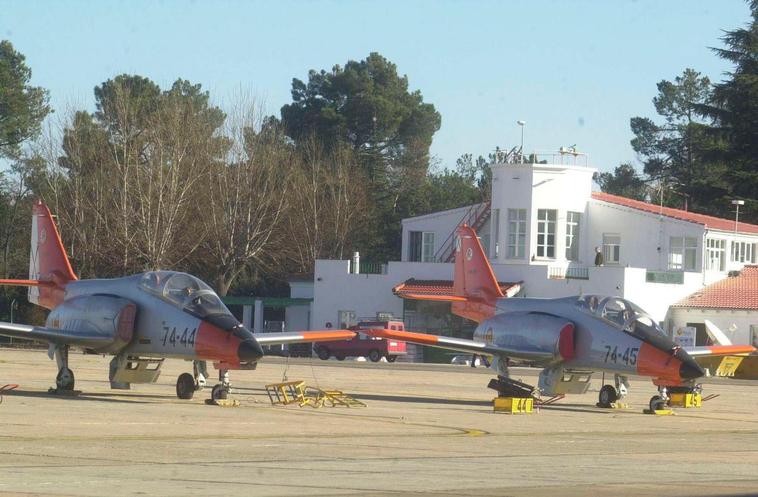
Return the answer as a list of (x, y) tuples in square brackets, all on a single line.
[(303, 336), (459, 344), (719, 350), (79, 338), (731, 361)]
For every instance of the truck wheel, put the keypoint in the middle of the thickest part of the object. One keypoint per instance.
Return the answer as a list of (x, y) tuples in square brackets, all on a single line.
[(391, 358), (323, 353), (374, 355)]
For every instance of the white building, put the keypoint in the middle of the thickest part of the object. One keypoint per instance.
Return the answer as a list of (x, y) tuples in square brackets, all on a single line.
[(541, 229), (731, 304)]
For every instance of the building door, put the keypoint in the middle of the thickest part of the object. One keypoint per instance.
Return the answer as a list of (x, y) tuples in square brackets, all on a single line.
[(701, 336)]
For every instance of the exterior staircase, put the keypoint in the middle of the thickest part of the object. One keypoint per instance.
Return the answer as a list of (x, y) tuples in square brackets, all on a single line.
[(475, 216)]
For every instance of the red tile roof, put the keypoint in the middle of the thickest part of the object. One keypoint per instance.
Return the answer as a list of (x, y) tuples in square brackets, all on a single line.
[(712, 222), (734, 292), (440, 287)]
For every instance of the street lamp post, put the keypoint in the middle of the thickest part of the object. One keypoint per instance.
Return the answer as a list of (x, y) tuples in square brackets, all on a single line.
[(737, 204), (521, 150)]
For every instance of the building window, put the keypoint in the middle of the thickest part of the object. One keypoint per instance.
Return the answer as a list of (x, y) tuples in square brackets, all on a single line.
[(427, 252), (682, 253), (573, 221), (743, 252), (414, 246), (421, 246), (754, 335), (611, 248), (346, 319), (546, 233), (716, 254), (516, 233)]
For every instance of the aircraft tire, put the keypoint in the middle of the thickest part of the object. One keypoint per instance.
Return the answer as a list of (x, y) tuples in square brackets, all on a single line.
[(65, 379), (608, 396), (374, 355), (339, 357), (185, 386), (657, 403), (323, 353), (391, 358), (219, 392)]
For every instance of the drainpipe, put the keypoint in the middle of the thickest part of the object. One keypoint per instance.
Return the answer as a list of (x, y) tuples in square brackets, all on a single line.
[(703, 252)]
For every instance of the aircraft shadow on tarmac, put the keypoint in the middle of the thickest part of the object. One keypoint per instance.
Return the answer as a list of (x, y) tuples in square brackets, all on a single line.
[(477, 403), (96, 397)]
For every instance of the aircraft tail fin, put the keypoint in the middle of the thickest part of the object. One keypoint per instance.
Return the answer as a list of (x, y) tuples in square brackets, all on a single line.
[(49, 267), (474, 278)]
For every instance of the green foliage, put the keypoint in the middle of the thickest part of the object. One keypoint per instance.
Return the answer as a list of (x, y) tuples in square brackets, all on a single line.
[(675, 153), (367, 106), (733, 109), (624, 181), (22, 107)]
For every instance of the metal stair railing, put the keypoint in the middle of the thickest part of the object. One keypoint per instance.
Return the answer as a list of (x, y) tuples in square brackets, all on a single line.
[(475, 216)]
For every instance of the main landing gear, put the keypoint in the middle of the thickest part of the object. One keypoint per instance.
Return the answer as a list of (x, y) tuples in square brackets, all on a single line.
[(64, 381), (187, 384), (610, 395)]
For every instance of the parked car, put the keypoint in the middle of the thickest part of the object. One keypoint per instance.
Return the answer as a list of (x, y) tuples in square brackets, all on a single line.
[(363, 345)]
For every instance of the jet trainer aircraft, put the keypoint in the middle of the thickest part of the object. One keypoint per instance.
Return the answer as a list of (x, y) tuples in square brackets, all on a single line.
[(140, 319), (570, 338)]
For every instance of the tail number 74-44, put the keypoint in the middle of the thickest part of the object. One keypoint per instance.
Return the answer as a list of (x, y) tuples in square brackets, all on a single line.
[(185, 338)]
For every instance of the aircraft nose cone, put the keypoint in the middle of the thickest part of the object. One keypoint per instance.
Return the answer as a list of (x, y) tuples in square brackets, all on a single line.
[(249, 351), (689, 370)]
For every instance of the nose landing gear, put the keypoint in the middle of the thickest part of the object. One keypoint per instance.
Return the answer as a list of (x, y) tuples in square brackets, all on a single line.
[(221, 392)]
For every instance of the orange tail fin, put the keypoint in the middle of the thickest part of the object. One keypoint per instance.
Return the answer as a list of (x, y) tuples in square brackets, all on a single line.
[(474, 278), (49, 268)]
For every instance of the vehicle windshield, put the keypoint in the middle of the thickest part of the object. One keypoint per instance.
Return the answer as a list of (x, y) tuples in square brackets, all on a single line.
[(184, 291)]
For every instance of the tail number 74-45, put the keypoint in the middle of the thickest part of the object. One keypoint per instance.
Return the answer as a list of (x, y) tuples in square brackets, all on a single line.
[(628, 356)]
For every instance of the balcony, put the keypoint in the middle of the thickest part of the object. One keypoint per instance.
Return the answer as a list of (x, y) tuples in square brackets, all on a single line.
[(568, 273)]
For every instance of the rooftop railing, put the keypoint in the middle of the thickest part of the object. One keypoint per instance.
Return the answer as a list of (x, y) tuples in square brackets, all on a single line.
[(667, 277)]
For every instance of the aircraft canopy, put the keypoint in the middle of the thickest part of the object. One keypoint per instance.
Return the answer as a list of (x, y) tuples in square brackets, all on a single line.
[(184, 291)]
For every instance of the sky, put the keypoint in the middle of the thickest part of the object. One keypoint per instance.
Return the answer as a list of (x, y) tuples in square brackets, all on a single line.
[(575, 71)]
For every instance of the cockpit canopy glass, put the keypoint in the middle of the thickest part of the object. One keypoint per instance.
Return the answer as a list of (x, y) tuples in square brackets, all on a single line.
[(183, 291), (620, 312)]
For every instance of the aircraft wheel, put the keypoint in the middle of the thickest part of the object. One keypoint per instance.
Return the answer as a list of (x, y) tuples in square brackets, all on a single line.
[(323, 353), (608, 396), (391, 358), (219, 392), (65, 379), (374, 355), (339, 357), (185, 386), (657, 403)]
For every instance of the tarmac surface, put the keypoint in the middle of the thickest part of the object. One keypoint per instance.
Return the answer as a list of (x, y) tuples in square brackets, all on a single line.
[(426, 430)]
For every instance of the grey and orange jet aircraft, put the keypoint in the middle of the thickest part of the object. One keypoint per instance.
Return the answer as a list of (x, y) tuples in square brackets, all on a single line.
[(140, 319), (570, 338)]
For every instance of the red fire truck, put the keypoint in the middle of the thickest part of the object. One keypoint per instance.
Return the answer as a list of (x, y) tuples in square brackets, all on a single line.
[(364, 346)]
